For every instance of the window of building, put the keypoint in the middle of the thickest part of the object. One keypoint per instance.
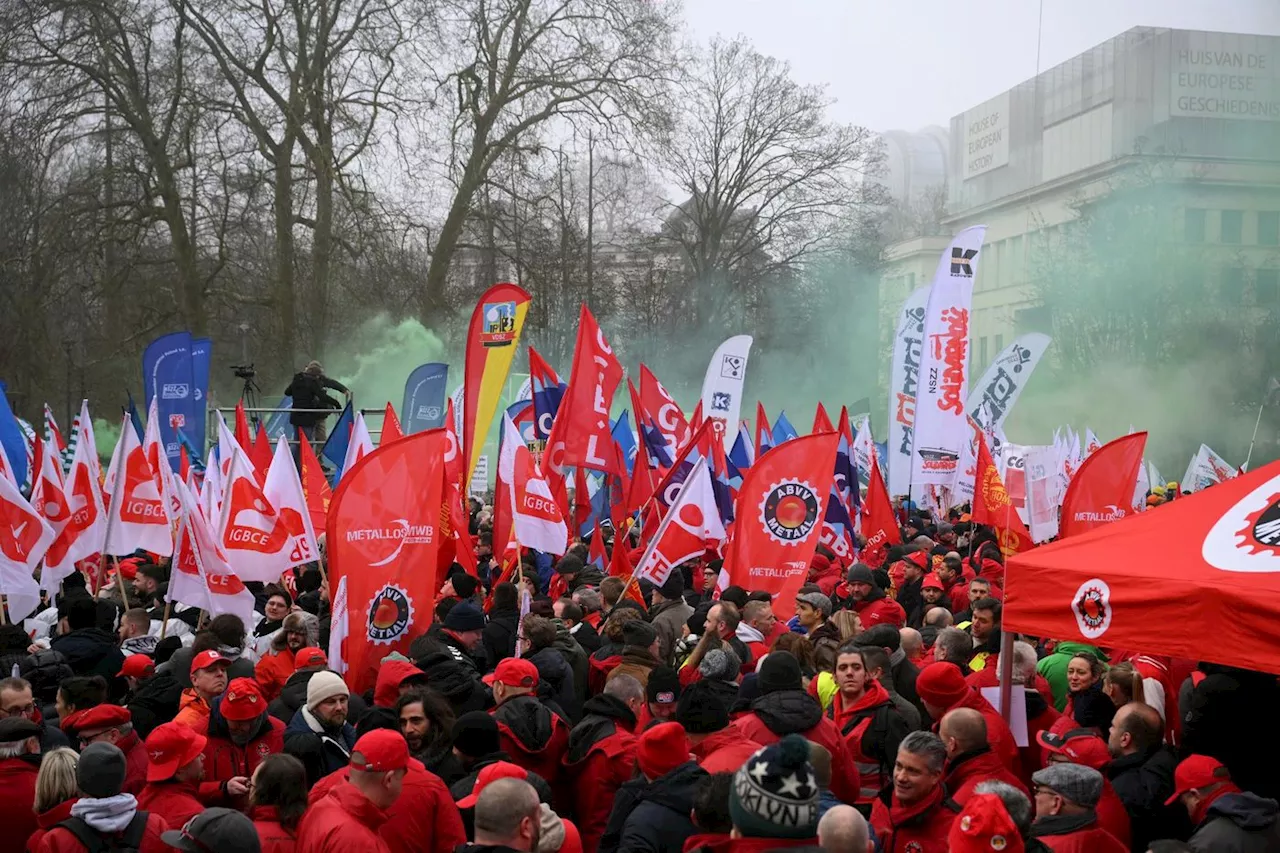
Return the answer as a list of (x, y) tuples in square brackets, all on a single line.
[(1266, 287), (911, 282), (999, 343), (1195, 225), (1232, 225), (982, 351), (1269, 228), (1233, 285)]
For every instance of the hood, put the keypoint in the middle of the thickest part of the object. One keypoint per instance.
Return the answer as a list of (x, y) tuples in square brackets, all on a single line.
[(1247, 811), (218, 723), (675, 790), (387, 688), (145, 645), (530, 722), (191, 697), (589, 576), (449, 678), (299, 619), (84, 646), (787, 712), (602, 716), (552, 668), (294, 692)]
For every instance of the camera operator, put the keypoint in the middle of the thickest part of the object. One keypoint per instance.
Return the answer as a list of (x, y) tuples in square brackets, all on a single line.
[(308, 392)]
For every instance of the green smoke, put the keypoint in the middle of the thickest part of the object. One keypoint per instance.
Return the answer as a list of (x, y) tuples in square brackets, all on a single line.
[(105, 436)]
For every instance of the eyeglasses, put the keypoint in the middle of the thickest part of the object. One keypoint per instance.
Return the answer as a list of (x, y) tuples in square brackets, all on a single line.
[(19, 711)]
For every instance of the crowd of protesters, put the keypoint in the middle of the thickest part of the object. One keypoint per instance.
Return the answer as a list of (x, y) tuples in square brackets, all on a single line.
[(591, 721)]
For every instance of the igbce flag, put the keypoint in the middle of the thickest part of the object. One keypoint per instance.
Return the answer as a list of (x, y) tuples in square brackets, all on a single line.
[(779, 518), (688, 528), (24, 539), (535, 516), (1102, 490), (941, 427), (202, 577), (993, 507), (581, 436), (383, 544), (136, 514)]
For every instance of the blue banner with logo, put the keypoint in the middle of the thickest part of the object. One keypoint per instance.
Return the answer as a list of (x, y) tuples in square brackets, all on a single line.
[(168, 377), (424, 403), (626, 440), (201, 364), (12, 439), (277, 424)]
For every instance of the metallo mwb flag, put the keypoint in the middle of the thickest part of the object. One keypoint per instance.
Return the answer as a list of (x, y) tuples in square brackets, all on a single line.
[(168, 377), (424, 398)]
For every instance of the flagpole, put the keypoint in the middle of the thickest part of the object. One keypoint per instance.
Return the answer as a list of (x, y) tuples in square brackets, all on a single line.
[(116, 462), (1257, 423), (124, 596)]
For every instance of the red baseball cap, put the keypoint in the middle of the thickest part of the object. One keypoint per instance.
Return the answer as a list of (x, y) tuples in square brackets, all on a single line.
[(1195, 772), (206, 659), (380, 751), (514, 672), (243, 700), (137, 666), (1079, 746), (170, 747), (492, 773), (98, 719), (309, 657)]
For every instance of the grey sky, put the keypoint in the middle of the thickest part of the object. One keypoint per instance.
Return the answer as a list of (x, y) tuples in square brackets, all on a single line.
[(909, 63)]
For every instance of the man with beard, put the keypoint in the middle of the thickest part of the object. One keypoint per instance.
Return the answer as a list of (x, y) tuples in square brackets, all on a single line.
[(319, 735), (241, 735), (869, 601), (425, 720), (273, 671)]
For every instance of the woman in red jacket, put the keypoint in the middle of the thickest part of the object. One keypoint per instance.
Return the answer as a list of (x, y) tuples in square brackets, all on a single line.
[(277, 801), (56, 792)]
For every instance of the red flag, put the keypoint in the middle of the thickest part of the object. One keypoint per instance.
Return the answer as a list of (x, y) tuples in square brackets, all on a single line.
[(184, 464), (581, 436), (390, 427), (821, 422), (315, 486), (596, 554), (691, 525), (644, 480), (619, 560), (993, 507), (243, 437), (662, 410), (779, 518), (1102, 490), (383, 542), (581, 502), (695, 420), (261, 454), (879, 524), (762, 429)]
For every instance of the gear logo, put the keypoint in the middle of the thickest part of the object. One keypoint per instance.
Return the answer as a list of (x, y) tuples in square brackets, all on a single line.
[(1246, 537), (1092, 607), (790, 511), (390, 614)]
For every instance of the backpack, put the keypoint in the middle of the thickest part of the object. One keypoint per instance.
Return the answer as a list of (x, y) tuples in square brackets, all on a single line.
[(129, 841)]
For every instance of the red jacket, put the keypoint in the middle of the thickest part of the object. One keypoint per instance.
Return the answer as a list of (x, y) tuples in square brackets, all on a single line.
[(48, 820), (919, 828), (958, 592), (273, 671), (880, 611), (224, 759), (342, 821), (844, 773), (62, 841), (1090, 838), (985, 766), (725, 844), (193, 711), (17, 798), (175, 802), (533, 735), (136, 763), (386, 689), (1112, 815), (724, 751), (424, 813), (999, 734), (1032, 755), (601, 756), (273, 837)]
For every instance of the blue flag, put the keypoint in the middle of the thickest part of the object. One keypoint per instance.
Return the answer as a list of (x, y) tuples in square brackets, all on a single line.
[(626, 440), (783, 430), (135, 417), (12, 439), (168, 380), (335, 449), (277, 424), (193, 456), (739, 458), (424, 404), (201, 358)]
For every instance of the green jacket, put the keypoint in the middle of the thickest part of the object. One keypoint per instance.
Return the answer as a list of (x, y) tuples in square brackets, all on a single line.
[(1054, 667)]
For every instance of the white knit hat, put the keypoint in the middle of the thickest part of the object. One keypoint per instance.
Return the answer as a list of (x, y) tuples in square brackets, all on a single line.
[(323, 685)]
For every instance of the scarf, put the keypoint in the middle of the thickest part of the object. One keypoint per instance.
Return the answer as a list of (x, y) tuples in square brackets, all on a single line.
[(326, 735), (107, 814)]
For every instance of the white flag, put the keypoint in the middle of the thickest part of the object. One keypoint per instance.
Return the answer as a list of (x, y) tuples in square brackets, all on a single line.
[(153, 447), (84, 533), (136, 514), (690, 525), (1004, 380), (722, 387), (360, 445), (24, 539), (536, 519), (283, 490), (254, 533), (904, 382), (201, 575)]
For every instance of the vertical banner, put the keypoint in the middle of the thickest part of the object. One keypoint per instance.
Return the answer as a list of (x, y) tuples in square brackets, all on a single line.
[(492, 341), (904, 380), (722, 387), (201, 361), (168, 378), (941, 426), (1003, 381), (423, 406), (1041, 463)]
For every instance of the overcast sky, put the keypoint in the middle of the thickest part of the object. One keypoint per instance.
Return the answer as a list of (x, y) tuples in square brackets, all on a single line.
[(911, 63)]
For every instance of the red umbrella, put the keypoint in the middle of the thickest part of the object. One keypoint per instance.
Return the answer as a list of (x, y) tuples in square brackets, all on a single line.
[(1196, 578)]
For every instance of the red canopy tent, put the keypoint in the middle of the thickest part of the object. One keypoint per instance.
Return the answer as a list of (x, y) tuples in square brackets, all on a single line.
[(1196, 578)]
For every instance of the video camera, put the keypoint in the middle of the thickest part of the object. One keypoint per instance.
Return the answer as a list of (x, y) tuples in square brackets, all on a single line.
[(244, 371)]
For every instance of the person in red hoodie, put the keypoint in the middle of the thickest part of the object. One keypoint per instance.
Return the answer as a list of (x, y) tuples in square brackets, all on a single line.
[(396, 677), (424, 809), (869, 722), (533, 735), (1084, 747), (969, 756), (869, 601), (241, 735), (601, 754), (717, 746), (113, 724), (824, 571), (942, 688), (174, 774), (277, 802), (954, 585), (985, 824), (104, 814), (914, 815), (19, 765), (347, 818), (785, 708), (1065, 798)]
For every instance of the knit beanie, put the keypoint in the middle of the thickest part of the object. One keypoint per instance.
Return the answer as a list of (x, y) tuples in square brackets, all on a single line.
[(674, 587), (638, 633), (663, 687), (323, 685), (779, 671), (475, 734), (775, 794), (941, 685), (662, 749), (465, 585), (101, 770), (720, 665), (701, 710)]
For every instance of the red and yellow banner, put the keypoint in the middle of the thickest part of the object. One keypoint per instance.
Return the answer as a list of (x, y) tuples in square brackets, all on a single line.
[(492, 341)]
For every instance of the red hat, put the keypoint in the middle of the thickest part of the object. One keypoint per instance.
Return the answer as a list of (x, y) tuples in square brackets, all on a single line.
[(380, 751), (309, 657), (99, 718), (204, 660), (71, 722), (819, 562), (514, 672), (1195, 772), (128, 567), (137, 666), (662, 749), (1080, 746), (492, 773), (984, 825), (941, 684), (243, 700), (931, 581), (170, 747), (920, 558)]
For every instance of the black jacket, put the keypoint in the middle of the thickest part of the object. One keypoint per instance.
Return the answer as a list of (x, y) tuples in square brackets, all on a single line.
[(294, 695), (155, 702), (1227, 710), (91, 651), (1093, 709), (658, 819), (912, 602), (308, 392), (321, 753), (576, 657), (904, 674), (1143, 781), (786, 712), (500, 633), (601, 717), (589, 576), (587, 637), (530, 720), (458, 683), (556, 682), (463, 787), (1238, 823)]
